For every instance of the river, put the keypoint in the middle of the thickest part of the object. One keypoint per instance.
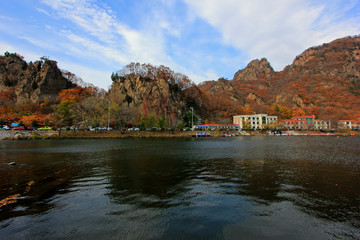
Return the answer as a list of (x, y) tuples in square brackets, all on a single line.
[(293, 187)]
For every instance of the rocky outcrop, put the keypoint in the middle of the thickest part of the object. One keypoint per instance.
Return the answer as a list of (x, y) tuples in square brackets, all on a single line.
[(256, 69), (219, 88), (340, 59), (31, 82), (147, 96)]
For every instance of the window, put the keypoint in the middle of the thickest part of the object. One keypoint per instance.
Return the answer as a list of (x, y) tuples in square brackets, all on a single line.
[(263, 120)]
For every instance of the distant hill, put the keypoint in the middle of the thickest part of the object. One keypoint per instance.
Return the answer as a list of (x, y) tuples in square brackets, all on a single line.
[(323, 80)]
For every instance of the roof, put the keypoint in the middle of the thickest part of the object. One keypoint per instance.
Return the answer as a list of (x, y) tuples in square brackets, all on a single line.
[(306, 116), (213, 124)]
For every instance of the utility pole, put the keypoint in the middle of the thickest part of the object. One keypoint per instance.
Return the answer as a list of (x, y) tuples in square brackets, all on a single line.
[(192, 118), (109, 117)]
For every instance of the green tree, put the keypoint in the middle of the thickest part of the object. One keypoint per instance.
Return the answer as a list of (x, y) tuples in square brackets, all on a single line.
[(150, 121), (66, 112), (180, 124), (188, 118), (163, 124), (34, 124)]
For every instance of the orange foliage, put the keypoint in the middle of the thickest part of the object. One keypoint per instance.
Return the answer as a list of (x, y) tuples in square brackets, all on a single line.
[(7, 95), (38, 118), (75, 94), (296, 111)]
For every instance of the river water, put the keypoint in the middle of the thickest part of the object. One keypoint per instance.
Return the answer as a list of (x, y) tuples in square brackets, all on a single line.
[(294, 187)]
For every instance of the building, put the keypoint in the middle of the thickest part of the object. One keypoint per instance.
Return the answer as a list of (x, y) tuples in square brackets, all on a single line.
[(255, 121), (306, 123), (345, 124), (322, 124), (217, 127)]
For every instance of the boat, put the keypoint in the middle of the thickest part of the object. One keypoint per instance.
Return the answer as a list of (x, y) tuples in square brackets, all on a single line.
[(201, 134)]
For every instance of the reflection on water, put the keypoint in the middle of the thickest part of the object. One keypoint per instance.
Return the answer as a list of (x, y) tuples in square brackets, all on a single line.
[(246, 187)]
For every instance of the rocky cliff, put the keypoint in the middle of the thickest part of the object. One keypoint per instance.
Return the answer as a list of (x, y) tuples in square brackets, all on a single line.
[(146, 96), (31, 81), (256, 69)]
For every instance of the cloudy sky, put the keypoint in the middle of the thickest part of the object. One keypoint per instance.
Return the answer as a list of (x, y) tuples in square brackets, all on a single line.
[(204, 39)]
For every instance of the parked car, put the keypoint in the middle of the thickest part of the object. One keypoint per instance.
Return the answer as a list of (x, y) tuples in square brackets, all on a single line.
[(46, 128), (20, 128), (5, 127)]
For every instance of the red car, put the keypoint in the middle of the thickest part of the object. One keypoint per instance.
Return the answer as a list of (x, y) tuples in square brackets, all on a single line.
[(20, 128)]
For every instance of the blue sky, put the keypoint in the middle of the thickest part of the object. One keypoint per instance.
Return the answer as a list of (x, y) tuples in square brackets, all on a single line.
[(204, 39)]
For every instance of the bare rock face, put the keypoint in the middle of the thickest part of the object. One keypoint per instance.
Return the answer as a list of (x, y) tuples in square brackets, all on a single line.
[(220, 88), (31, 82), (254, 70), (144, 95), (340, 59)]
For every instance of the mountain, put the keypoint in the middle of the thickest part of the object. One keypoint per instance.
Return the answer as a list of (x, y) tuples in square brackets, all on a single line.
[(323, 80), (30, 82)]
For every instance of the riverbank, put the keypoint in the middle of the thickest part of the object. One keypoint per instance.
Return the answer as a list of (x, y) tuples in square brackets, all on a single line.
[(27, 135)]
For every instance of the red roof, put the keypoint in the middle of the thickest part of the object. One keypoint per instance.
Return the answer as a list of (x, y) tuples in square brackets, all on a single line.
[(309, 116)]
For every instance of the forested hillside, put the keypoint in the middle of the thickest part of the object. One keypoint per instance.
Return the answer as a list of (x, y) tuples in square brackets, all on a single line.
[(323, 80)]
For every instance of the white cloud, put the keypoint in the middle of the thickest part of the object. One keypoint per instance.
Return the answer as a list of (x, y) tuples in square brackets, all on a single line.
[(109, 37), (211, 74), (99, 78), (28, 55), (278, 30)]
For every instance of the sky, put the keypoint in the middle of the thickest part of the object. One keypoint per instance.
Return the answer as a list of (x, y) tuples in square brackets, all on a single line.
[(204, 39)]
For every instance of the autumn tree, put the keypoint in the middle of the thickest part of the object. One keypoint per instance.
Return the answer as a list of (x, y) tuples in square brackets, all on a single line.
[(296, 111), (282, 112)]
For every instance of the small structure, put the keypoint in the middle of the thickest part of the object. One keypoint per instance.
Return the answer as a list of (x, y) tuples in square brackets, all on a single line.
[(322, 124), (202, 134), (308, 122), (213, 127), (345, 124), (255, 121)]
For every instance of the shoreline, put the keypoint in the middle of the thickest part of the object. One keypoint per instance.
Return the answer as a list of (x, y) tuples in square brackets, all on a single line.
[(33, 135)]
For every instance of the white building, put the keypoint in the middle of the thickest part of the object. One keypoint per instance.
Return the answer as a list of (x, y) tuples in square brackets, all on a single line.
[(255, 121)]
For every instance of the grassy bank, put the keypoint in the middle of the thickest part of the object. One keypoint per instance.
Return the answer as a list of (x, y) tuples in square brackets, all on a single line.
[(28, 135)]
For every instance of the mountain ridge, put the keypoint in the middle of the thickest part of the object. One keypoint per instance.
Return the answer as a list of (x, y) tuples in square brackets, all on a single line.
[(322, 80)]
